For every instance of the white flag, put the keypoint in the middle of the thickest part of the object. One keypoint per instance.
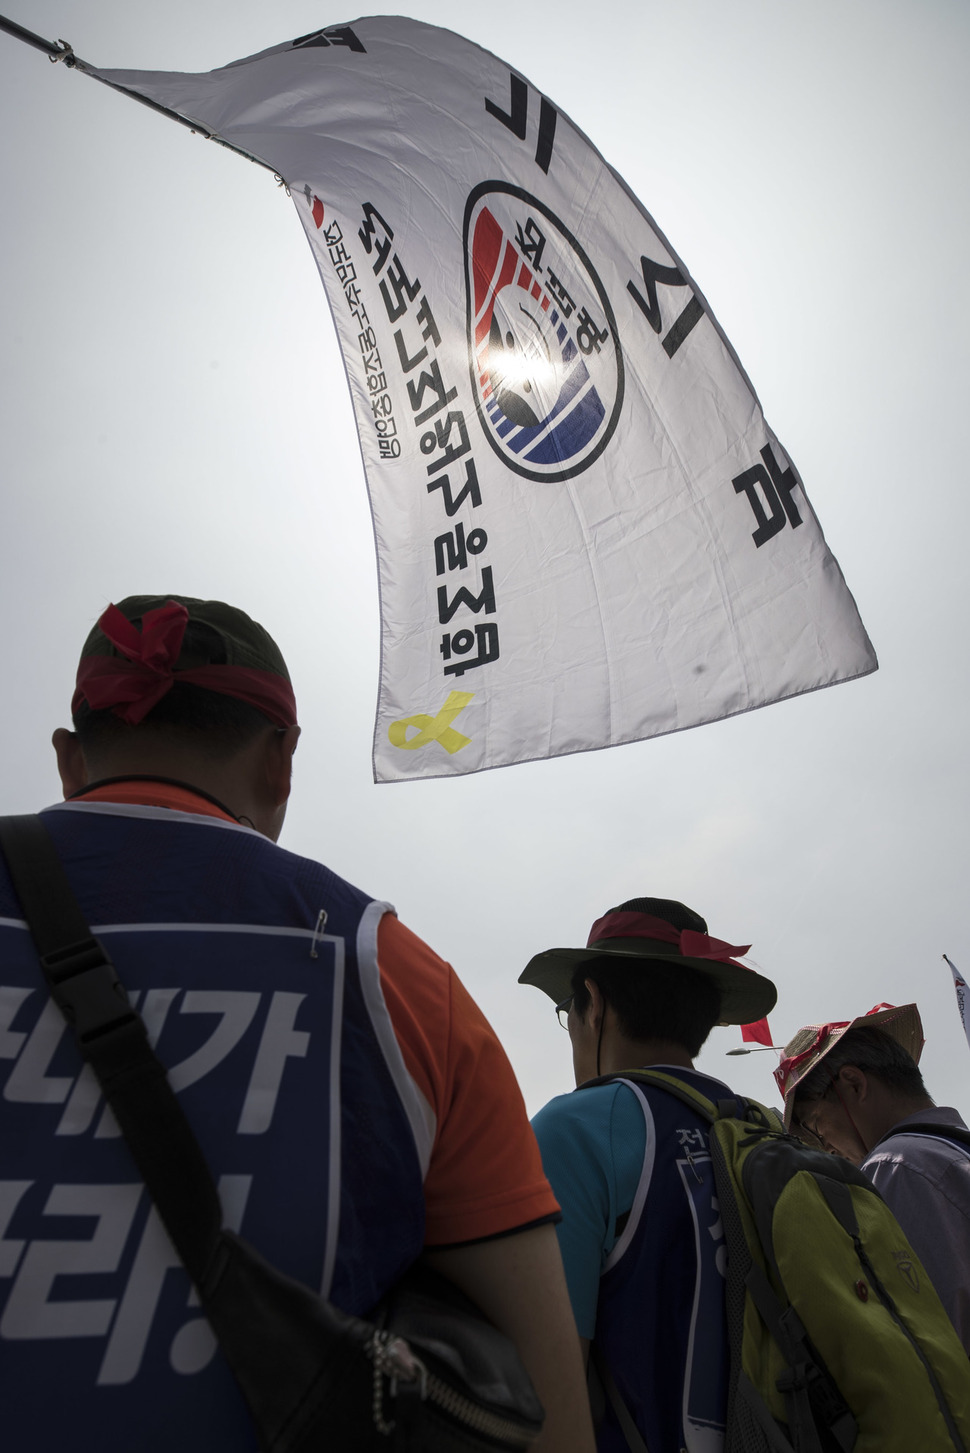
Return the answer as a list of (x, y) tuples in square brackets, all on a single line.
[(963, 1003), (586, 532)]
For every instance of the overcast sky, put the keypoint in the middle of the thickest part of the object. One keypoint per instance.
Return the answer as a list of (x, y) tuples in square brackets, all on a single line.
[(174, 417)]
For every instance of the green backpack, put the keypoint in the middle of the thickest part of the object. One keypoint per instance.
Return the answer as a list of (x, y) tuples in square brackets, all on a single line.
[(837, 1338)]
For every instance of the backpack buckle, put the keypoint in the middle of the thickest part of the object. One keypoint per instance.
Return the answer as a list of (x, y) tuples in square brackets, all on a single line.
[(86, 989)]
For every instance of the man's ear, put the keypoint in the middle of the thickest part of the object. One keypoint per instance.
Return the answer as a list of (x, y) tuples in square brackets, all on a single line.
[(597, 1004), (71, 766), (278, 762), (853, 1083)]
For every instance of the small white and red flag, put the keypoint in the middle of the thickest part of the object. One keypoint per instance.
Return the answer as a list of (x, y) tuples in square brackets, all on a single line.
[(963, 997)]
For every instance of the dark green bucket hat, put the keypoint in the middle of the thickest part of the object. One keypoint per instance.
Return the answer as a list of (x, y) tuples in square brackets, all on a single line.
[(645, 930)]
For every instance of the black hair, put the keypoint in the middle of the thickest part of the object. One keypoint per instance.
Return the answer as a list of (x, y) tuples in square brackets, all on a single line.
[(871, 1050), (654, 998), (211, 722)]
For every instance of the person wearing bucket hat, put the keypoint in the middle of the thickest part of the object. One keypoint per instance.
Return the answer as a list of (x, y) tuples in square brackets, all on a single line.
[(641, 1237), (804, 1053), (855, 1088), (354, 1106)]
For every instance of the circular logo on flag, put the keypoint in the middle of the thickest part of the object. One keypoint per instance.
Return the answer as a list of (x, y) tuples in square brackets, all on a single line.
[(544, 353)]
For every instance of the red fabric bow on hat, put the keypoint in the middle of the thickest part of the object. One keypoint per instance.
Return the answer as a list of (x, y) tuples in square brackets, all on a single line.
[(691, 944), (131, 685)]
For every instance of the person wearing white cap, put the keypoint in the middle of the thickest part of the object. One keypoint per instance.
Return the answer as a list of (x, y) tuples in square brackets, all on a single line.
[(641, 1234), (855, 1088)]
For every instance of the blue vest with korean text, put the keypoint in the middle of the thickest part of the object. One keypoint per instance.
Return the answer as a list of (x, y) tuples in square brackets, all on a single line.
[(660, 1320), (271, 1023)]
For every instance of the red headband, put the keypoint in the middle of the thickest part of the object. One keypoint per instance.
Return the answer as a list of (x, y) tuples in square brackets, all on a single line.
[(132, 686), (691, 944), (787, 1066)]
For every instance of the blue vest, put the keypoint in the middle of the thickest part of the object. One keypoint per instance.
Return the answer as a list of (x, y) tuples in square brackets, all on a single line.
[(660, 1322), (275, 1035)]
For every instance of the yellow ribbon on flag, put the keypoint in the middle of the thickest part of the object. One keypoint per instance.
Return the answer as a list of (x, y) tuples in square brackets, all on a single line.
[(432, 728)]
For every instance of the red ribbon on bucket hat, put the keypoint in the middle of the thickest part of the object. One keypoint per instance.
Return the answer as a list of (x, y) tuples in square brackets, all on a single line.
[(689, 942)]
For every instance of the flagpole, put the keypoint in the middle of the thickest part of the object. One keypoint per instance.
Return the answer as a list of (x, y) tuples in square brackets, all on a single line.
[(56, 52), (62, 51)]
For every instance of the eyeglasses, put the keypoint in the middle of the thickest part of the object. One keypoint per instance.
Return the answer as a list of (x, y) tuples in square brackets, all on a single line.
[(562, 1011), (808, 1133), (808, 1122)]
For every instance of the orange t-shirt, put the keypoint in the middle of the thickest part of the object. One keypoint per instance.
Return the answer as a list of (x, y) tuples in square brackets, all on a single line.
[(485, 1176)]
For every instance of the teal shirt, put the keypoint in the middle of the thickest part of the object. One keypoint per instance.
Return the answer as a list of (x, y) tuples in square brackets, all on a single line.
[(643, 1249), (593, 1144)]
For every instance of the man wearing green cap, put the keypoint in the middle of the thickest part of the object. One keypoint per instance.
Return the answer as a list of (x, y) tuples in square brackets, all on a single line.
[(354, 1107), (641, 1235)]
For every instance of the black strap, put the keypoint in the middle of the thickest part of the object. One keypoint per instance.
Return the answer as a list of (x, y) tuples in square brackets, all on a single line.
[(113, 1040), (838, 1198)]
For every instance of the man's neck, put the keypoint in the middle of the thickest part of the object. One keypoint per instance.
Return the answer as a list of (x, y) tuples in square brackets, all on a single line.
[(620, 1053), (887, 1112), (227, 781), (153, 790)]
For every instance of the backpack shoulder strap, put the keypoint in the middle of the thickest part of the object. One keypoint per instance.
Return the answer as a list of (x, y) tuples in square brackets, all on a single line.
[(52, 912), (662, 1080), (111, 1036), (739, 1108)]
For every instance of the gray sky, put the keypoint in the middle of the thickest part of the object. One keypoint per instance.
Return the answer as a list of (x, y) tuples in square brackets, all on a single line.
[(174, 417)]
